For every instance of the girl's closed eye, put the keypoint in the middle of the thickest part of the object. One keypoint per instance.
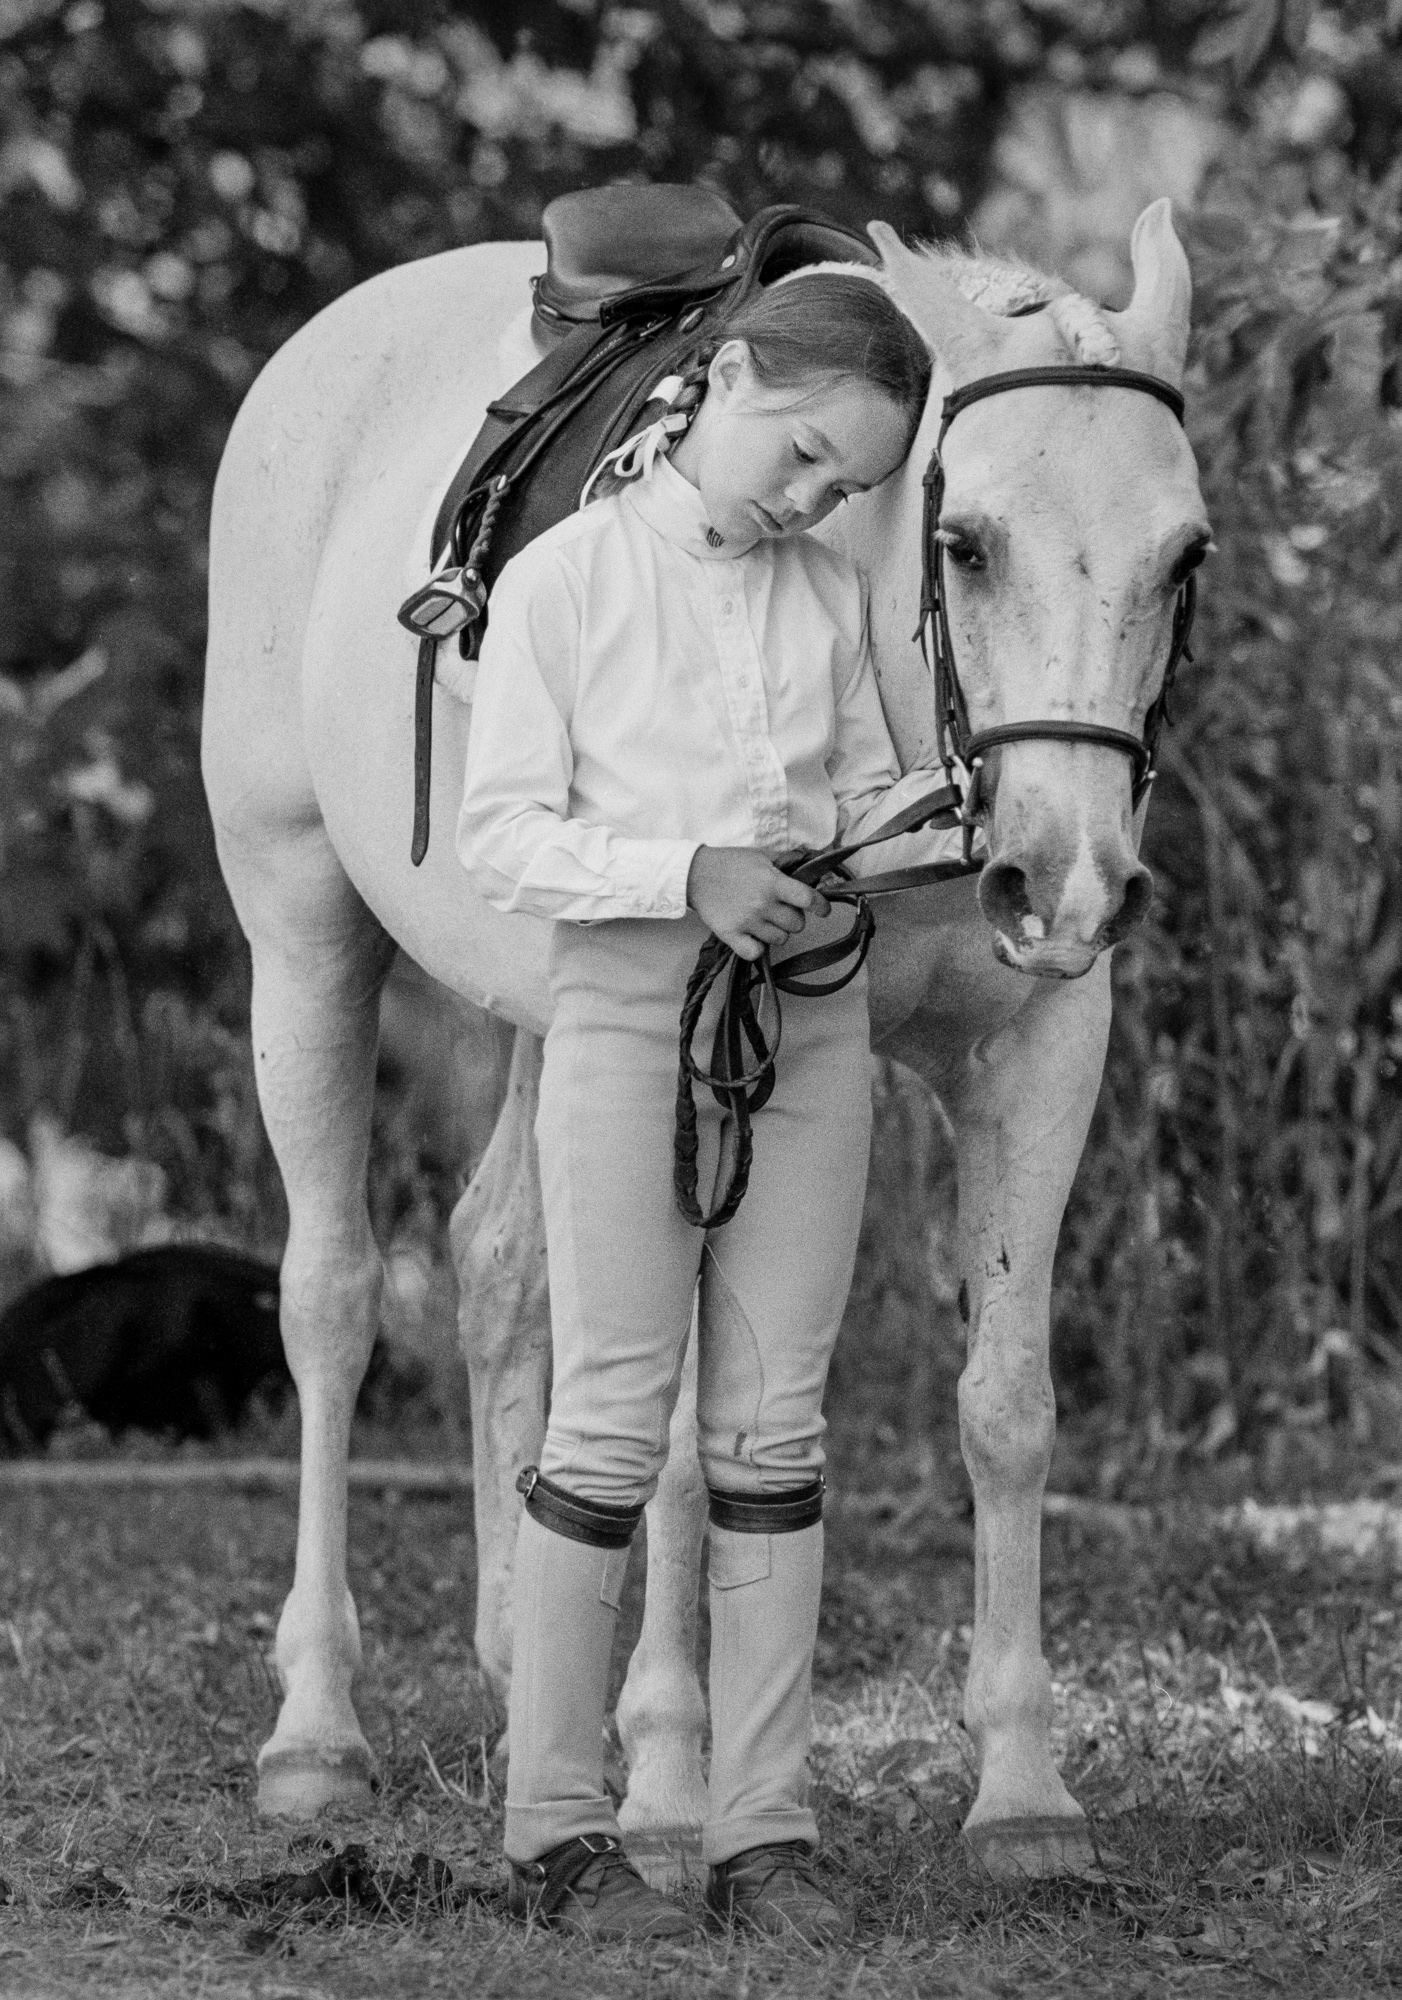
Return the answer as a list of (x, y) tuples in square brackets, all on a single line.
[(804, 457)]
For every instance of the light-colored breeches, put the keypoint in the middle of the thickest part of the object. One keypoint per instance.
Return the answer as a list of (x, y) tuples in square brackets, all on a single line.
[(623, 1261)]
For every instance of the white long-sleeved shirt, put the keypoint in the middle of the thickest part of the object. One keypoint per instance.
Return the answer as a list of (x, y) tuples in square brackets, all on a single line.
[(644, 688)]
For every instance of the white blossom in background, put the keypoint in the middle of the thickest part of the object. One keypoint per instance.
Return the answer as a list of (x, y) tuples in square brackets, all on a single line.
[(1075, 168), (88, 1207)]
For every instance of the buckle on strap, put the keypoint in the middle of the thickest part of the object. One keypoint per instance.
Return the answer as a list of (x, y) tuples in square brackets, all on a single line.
[(553, 1875), (783, 1513), (587, 1521)]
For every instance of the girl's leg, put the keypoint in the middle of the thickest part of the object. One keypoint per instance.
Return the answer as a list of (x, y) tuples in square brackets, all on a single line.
[(774, 1284), (623, 1269)]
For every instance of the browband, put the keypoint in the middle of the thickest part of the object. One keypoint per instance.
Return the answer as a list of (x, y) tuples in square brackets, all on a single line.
[(1065, 375)]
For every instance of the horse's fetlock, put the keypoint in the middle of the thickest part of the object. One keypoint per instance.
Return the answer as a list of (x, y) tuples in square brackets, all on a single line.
[(1005, 1691), (326, 1635)]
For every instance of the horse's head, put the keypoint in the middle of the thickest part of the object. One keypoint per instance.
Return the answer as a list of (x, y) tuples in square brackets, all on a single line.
[(1071, 517)]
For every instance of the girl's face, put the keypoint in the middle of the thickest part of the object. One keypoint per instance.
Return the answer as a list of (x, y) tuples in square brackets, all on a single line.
[(777, 461)]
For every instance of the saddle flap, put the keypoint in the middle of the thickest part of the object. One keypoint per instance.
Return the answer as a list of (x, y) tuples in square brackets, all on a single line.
[(604, 240)]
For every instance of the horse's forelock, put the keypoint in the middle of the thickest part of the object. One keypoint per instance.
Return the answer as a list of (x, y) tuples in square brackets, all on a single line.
[(1002, 287), (1084, 328)]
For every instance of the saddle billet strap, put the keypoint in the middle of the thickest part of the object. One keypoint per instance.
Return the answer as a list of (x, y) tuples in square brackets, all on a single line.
[(423, 745), (750, 983)]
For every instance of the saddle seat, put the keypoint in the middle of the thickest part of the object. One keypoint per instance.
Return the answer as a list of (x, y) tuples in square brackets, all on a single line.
[(599, 241)]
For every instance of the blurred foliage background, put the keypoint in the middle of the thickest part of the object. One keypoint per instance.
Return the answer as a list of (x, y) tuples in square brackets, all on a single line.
[(184, 182)]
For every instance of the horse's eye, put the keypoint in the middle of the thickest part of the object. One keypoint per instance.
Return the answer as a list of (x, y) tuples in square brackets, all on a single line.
[(963, 551), (1193, 557)]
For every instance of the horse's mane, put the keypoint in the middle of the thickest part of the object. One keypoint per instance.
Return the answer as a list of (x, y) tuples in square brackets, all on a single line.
[(1004, 285)]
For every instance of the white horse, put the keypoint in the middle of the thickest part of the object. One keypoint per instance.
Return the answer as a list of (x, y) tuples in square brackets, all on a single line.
[(1071, 518)]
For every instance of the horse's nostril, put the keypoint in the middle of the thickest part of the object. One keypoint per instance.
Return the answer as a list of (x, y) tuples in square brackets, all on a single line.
[(1003, 896), (1139, 893)]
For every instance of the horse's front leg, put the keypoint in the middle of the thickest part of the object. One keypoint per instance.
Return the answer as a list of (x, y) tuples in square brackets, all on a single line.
[(497, 1233), (661, 1711), (1021, 1110)]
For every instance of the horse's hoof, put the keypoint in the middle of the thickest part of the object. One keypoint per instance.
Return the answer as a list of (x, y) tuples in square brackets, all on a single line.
[(300, 1784), (1027, 1850), (667, 1857)]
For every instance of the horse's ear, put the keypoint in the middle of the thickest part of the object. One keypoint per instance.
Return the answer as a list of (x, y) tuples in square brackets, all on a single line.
[(960, 333), (1161, 309)]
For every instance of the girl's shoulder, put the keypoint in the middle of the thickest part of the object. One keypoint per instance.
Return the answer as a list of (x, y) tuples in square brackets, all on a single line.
[(564, 552)]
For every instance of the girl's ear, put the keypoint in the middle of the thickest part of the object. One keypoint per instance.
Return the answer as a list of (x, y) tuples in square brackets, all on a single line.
[(729, 366)]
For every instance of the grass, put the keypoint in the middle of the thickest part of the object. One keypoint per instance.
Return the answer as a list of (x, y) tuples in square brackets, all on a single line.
[(1248, 1845)]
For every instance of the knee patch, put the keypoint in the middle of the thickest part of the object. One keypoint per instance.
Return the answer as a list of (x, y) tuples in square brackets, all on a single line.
[(781, 1513), (589, 1521)]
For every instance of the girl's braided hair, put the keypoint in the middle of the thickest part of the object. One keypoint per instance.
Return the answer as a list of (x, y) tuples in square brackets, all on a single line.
[(811, 329)]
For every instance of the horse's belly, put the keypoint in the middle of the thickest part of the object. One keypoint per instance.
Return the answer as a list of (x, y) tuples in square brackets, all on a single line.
[(358, 676)]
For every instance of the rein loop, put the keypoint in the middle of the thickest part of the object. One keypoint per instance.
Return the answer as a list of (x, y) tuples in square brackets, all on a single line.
[(740, 1073)]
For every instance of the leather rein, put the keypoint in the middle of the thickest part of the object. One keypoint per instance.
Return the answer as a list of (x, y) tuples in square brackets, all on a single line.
[(741, 1073)]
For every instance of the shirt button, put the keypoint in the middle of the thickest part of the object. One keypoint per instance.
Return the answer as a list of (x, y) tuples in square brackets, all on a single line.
[(728, 606)]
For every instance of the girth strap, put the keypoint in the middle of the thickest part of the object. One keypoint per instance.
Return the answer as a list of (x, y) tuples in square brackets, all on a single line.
[(741, 1074)]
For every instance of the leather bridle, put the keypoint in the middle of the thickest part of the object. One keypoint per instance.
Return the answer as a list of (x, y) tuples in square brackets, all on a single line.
[(955, 740)]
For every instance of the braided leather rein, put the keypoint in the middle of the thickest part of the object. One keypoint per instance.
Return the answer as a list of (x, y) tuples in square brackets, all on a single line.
[(751, 983)]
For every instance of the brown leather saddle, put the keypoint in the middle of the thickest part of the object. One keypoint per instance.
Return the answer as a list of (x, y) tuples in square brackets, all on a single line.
[(636, 279)]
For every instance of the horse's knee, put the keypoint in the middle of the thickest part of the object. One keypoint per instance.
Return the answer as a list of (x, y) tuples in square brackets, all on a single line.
[(330, 1307), (1007, 1419)]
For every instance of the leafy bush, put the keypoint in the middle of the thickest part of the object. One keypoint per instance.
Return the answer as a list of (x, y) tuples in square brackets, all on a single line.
[(183, 183), (1240, 1193)]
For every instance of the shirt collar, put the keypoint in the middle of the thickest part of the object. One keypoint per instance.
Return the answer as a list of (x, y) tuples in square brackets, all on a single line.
[(673, 506)]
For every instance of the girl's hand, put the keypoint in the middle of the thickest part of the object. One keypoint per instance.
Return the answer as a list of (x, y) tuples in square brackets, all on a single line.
[(748, 902)]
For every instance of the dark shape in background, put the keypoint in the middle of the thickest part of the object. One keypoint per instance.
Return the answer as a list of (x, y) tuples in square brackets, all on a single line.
[(173, 1340)]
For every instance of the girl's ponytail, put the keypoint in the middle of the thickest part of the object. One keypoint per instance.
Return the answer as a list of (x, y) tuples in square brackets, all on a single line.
[(803, 332)]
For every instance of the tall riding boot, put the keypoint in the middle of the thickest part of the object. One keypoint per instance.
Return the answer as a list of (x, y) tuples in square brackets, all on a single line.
[(766, 1575), (566, 1593), (568, 1867)]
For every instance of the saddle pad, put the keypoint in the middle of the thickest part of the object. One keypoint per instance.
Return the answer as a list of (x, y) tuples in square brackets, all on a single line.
[(604, 240)]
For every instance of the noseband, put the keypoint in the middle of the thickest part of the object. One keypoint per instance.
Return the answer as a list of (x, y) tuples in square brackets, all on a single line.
[(954, 738)]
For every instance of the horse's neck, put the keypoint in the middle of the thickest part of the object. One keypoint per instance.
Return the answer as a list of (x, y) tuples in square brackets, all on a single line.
[(880, 533)]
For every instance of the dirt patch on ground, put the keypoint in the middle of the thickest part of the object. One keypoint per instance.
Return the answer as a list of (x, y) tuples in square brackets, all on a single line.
[(1230, 1720)]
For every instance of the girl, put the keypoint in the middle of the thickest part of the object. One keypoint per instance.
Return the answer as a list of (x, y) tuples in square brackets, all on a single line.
[(676, 686)]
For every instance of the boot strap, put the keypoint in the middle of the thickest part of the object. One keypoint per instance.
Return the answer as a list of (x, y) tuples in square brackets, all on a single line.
[(555, 1874), (768, 1513), (588, 1521)]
